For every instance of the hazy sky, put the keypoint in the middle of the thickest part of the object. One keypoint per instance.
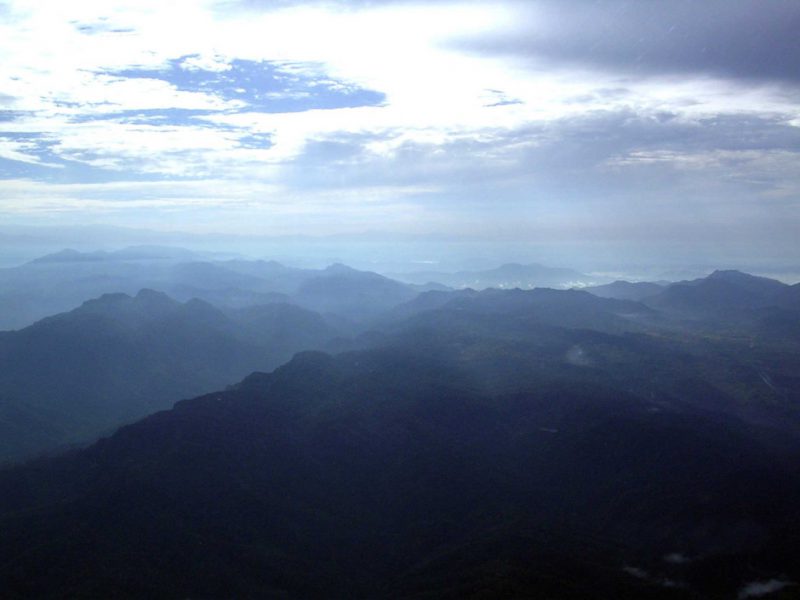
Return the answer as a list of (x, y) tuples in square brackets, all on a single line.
[(663, 122)]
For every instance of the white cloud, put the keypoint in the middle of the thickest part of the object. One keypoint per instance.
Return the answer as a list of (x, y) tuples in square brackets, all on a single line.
[(204, 62), (55, 65), (20, 150), (61, 64)]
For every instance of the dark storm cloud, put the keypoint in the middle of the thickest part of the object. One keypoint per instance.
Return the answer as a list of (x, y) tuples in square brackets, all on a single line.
[(747, 39), (262, 5), (575, 152)]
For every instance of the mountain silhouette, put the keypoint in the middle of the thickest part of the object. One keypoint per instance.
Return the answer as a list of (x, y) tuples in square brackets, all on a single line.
[(493, 446), (721, 291), (625, 290), (71, 377)]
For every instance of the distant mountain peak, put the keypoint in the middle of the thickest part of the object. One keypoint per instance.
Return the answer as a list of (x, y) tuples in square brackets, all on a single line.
[(148, 294), (153, 252), (728, 273), (626, 290), (339, 269), (721, 290), (736, 276), (145, 300), (69, 255), (108, 299)]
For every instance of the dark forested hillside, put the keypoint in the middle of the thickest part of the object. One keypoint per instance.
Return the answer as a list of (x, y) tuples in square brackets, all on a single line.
[(499, 444)]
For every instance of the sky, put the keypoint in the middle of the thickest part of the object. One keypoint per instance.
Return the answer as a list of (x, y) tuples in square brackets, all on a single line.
[(596, 124)]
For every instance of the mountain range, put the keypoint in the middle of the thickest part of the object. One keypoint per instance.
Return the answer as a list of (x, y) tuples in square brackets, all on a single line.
[(496, 443), (63, 281), (404, 442), (71, 377)]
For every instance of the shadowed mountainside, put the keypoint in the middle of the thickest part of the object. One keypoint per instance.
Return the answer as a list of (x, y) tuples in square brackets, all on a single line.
[(74, 376), (493, 446)]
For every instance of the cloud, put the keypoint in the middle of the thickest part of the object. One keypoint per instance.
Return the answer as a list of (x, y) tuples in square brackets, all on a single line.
[(757, 589), (636, 572), (749, 39), (590, 120), (23, 151), (227, 206), (676, 558)]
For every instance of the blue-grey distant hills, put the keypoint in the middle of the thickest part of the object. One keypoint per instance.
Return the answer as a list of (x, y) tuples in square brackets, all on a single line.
[(71, 377), (721, 290), (725, 299), (62, 281), (546, 306), (724, 290), (508, 276), (626, 290), (130, 253)]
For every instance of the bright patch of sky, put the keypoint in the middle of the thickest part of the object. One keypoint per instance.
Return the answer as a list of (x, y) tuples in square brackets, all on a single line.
[(461, 117)]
